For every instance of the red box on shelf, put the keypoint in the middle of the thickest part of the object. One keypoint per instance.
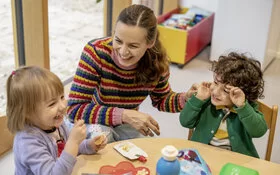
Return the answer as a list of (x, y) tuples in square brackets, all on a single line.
[(183, 45)]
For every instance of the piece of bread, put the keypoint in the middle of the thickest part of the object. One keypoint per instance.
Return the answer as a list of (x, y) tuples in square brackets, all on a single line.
[(100, 139)]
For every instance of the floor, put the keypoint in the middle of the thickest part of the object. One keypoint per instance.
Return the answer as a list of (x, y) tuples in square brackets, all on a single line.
[(181, 79)]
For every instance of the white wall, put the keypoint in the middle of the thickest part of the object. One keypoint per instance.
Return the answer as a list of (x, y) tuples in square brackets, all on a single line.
[(244, 26), (210, 5), (241, 25), (273, 43)]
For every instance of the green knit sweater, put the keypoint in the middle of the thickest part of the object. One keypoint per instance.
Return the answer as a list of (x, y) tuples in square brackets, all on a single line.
[(242, 127)]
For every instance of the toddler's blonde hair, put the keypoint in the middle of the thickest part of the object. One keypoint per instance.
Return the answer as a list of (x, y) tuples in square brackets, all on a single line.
[(26, 88)]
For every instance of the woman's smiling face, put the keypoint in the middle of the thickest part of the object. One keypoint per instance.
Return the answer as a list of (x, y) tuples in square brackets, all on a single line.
[(129, 44)]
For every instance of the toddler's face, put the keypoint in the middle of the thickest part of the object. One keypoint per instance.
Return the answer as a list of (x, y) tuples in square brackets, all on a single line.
[(219, 93), (50, 112)]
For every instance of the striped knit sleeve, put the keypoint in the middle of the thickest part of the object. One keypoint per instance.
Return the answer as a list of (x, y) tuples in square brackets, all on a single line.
[(164, 99), (81, 103)]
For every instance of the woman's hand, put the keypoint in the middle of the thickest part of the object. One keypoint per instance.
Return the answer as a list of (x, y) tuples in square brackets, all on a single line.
[(99, 142), (204, 91), (144, 123)]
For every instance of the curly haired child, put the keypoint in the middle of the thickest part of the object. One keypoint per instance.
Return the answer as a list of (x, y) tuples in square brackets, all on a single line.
[(224, 113), (35, 112)]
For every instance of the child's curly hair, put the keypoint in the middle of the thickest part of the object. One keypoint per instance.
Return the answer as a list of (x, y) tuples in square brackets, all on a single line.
[(241, 71)]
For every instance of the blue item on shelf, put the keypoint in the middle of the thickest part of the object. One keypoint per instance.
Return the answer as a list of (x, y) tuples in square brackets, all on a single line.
[(198, 18)]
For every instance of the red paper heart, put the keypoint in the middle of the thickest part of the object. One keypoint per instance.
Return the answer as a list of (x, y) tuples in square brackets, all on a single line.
[(122, 168)]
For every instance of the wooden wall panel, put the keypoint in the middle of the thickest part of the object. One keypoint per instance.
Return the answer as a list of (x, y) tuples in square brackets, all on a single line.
[(36, 35), (169, 5), (118, 6), (5, 136)]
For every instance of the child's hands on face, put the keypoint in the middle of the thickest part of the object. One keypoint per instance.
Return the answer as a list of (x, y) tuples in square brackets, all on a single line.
[(99, 142), (78, 132), (236, 95), (203, 91)]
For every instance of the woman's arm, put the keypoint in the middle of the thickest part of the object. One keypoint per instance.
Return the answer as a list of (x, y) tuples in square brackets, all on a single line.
[(164, 99), (83, 96)]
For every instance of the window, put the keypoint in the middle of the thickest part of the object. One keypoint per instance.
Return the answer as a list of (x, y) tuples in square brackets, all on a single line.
[(72, 23), (7, 61)]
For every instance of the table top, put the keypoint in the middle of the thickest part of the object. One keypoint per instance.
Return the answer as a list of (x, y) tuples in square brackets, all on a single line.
[(214, 157)]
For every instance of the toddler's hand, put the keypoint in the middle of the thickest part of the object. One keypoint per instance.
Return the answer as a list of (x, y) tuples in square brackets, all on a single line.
[(191, 91), (76, 136), (236, 95), (99, 142), (78, 132), (203, 91)]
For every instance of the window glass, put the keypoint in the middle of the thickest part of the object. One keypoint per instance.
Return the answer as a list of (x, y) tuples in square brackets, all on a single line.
[(72, 23), (7, 61)]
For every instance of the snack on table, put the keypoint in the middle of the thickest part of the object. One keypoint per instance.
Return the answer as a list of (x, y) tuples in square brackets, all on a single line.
[(130, 151), (143, 172), (100, 139), (126, 147)]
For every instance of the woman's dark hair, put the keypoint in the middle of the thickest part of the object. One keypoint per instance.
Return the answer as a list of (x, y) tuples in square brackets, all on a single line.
[(241, 71), (154, 62)]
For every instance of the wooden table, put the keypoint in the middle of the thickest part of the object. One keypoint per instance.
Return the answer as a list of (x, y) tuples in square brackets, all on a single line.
[(215, 157)]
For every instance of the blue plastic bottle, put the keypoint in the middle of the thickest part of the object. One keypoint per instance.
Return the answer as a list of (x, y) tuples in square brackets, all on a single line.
[(168, 164)]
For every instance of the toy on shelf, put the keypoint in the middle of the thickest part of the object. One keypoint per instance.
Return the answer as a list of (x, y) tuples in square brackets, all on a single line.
[(185, 32)]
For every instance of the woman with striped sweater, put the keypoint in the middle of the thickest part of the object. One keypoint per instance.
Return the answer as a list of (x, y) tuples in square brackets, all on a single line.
[(115, 75)]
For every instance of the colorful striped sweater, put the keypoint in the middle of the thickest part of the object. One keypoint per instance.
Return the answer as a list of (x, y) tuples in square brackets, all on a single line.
[(101, 90)]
